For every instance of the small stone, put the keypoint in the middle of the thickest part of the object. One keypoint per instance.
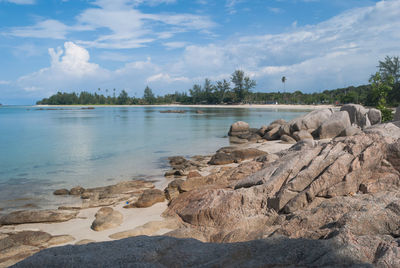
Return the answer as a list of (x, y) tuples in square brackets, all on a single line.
[(61, 192), (78, 190)]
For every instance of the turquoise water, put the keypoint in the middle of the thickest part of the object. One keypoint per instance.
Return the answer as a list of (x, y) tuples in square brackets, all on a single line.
[(44, 150)]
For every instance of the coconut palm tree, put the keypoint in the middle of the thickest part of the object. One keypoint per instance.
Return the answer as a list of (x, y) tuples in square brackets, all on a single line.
[(283, 81)]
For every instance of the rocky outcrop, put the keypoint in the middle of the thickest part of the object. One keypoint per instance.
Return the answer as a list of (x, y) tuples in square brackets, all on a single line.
[(182, 166), (106, 218), (362, 117), (37, 216)]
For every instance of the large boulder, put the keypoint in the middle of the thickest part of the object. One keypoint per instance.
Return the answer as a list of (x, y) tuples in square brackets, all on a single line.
[(375, 116), (302, 135), (335, 125), (106, 218), (149, 198), (358, 114), (37, 216), (239, 128), (311, 120)]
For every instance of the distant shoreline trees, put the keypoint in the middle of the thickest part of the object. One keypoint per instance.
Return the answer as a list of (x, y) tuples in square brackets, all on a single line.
[(238, 89)]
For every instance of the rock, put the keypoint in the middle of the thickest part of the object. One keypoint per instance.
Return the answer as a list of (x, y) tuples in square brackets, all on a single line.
[(61, 192), (174, 172), (37, 216), (262, 130), (273, 134), (302, 135), (199, 112), (237, 140), (222, 158), (358, 114), (31, 238), (106, 218), (239, 128), (285, 130), (287, 139), (78, 190), (278, 122), (173, 189), (149, 198), (312, 120), (396, 116), (334, 126), (350, 131), (193, 174), (173, 111), (374, 116), (59, 240), (388, 131), (85, 241)]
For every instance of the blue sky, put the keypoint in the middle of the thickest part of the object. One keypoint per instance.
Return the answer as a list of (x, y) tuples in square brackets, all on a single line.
[(75, 45)]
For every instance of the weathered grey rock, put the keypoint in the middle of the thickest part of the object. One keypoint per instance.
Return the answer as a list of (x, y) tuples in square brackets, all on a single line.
[(37, 216), (272, 134), (350, 131), (311, 120), (239, 128), (396, 116), (358, 114), (335, 125), (388, 131), (287, 139), (237, 140), (302, 135), (173, 189), (61, 192), (106, 218), (149, 198), (78, 190), (223, 158), (374, 116)]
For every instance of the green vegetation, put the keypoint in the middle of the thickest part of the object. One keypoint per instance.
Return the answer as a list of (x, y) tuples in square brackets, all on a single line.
[(383, 91)]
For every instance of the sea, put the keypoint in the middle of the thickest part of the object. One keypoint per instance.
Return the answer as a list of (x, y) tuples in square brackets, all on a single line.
[(47, 148)]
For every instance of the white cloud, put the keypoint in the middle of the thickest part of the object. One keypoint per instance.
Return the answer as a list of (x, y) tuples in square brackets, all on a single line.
[(341, 51), (43, 29), (4, 82), (175, 45)]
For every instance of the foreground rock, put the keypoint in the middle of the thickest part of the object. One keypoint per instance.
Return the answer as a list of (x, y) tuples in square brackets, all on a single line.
[(37, 216), (173, 252), (15, 247), (107, 218)]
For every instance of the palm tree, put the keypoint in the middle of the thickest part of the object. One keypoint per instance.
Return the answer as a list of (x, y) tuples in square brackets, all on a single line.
[(283, 81)]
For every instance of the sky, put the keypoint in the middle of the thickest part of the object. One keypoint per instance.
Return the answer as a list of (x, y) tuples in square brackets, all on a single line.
[(74, 45)]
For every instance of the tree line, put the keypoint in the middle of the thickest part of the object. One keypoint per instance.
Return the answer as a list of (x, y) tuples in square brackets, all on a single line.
[(238, 89)]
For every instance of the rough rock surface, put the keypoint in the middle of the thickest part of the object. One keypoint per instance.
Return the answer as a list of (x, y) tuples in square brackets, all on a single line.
[(61, 192), (149, 198), (223, 157), (239, 128), (17, 246), (311, 120), (336, 124), (106, 218), (36, 216), (361, 116)]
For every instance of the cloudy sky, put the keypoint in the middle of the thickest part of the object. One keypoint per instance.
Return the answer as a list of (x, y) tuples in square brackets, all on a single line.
[(52, 45)]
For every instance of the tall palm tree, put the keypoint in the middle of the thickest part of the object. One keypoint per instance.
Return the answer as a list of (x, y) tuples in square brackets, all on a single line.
[(283, 81)]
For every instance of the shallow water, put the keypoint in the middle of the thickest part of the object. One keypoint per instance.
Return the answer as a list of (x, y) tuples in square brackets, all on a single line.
[(42, 150)]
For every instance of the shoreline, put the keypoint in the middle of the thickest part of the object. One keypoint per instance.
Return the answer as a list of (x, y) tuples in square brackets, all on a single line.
[(243, 106)]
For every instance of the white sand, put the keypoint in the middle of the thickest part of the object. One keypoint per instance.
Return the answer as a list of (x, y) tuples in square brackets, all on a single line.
[(79, 228)]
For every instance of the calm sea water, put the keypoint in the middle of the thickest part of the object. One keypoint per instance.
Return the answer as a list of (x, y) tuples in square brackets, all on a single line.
[(44, 150)]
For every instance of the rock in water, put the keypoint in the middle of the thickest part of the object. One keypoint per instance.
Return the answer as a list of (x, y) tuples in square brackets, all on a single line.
[(61, 192), (149, 198), (78, 190), (37, 216), (107, 218), (239, 128)]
